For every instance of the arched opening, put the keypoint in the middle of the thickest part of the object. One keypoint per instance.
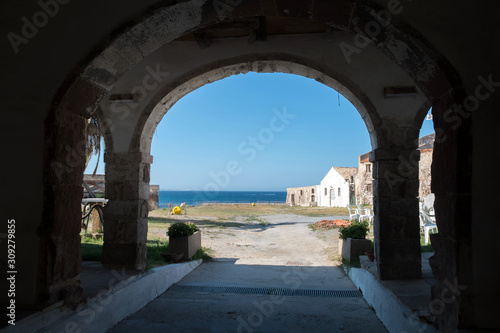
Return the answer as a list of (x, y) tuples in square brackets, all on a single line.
[(183, 148), (427, 137), (131, 144)]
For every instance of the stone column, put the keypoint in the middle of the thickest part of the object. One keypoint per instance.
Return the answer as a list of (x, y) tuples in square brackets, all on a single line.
[(396, 221), (59, 254), (126, 213), (455, 302), (154, 197), (96, 222)]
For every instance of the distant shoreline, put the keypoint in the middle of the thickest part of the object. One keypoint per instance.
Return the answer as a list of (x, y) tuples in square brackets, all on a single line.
[(162, 205), (192, 198)]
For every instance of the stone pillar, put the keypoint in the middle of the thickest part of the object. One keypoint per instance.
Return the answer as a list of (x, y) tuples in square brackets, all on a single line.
[(396, 221), (154, 197), (126, 213), (59, 251), (452, 263), (96, 222)]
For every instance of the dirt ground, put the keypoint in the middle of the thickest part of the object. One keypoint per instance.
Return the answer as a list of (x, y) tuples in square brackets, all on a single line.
[(267, 249), (278, 239)]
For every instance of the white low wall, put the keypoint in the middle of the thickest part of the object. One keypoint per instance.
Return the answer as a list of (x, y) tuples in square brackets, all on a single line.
[(108, 308), (395, 316)]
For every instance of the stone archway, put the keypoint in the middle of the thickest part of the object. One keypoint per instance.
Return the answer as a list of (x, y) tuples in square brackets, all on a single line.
[(102, 77), (196, 72)]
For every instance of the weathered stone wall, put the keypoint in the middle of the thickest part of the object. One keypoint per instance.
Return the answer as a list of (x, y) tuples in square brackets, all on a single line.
[(302, 196), (363, 181), (424, 173), (154, 190), (364, 178), (154, 197)]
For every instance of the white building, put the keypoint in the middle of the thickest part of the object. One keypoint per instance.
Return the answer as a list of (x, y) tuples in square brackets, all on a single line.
[(335, 189)]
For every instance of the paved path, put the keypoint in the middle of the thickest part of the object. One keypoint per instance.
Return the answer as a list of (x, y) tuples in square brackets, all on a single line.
[(189, 307), (180, 310)]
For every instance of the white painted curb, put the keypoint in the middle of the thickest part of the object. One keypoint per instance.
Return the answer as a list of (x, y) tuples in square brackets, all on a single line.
[(109, 307), (395, 316)]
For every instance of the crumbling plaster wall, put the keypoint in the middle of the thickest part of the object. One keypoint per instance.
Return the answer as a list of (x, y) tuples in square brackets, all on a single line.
[(364, 183), (154, 197), (302, 196), (424, 173)]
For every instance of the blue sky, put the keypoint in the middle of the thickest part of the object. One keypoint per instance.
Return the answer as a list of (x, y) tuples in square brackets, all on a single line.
[(256, 131)]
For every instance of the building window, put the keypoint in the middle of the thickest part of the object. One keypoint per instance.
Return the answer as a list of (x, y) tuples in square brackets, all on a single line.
[(301, 192), (312, 191), (369, 188), (326, 191), (368, 168), (339, 192), (312, 198)]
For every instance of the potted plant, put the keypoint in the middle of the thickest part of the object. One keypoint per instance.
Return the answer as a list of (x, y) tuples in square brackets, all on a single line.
[(354, 239), (184, 237)]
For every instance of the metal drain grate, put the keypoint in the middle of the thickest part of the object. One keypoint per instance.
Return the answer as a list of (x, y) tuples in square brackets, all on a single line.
[(269, 291)]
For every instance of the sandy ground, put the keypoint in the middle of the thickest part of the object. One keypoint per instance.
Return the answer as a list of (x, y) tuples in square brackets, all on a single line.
[(281, 239)]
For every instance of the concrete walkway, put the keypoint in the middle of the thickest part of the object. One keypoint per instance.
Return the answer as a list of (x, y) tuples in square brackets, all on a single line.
[(187, 310)]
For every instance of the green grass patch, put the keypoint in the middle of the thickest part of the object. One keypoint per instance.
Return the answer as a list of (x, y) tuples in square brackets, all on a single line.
[(91, 249), (253, 218), (164, 222), (425, 247), (316, 211), (204, 253), (153, 256), (217, 224), (161, 222), (353, 263), (232, 211)]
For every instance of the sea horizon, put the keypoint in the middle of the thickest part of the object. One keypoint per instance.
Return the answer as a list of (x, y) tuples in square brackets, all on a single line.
[(195, 198)]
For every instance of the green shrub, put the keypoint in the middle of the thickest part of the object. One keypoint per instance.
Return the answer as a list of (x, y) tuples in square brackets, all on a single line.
[(357, 230), (182, 229)]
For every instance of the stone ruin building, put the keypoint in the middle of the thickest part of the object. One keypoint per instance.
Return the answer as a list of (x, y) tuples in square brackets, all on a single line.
[(364, 177), (359, 181)]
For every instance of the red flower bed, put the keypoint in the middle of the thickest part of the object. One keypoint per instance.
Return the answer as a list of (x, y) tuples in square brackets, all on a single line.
[(329, 224)]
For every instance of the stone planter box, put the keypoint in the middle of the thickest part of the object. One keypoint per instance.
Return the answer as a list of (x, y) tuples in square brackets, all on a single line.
[(187, 245), (353, 248)]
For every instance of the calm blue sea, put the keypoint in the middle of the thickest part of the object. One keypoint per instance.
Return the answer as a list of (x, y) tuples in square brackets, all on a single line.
[(193, 198)]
